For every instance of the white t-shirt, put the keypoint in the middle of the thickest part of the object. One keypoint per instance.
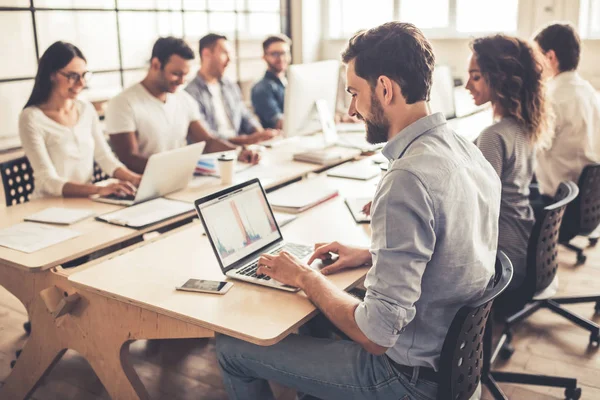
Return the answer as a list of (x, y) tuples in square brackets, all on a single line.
[(59, 154), (576, 141), (159, 126), (225, 128)]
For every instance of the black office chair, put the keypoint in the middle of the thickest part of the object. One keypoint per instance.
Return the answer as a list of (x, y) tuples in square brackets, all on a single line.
[(99, 175), (582, 216), (18, 182), (17, 179), (462, 358), (540, 278)]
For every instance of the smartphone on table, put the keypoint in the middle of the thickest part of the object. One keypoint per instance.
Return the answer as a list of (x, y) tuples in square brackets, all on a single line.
[(206, 286)]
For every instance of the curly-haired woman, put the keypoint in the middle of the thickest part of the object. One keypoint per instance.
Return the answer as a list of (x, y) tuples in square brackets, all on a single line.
[(503, 70)]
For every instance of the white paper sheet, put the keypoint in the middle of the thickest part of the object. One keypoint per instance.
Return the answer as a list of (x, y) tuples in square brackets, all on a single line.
[(30, 237)]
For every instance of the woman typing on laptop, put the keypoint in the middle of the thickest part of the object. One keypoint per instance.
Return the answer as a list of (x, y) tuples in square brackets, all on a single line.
[(61, 134)]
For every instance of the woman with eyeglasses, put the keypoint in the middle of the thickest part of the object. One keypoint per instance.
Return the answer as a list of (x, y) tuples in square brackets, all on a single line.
[(505, 72), (61, 134)]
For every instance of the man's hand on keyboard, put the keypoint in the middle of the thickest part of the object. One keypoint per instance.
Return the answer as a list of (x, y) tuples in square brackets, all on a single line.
[(348, 257), (283, 267), (120, 188)]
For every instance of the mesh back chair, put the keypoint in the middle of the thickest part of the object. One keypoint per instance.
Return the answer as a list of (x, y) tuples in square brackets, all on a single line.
[(17, 179), (535, 292), (99, 175), (461, 362), (582, 216)]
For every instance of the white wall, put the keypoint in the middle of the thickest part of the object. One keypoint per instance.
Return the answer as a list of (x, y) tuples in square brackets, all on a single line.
[(455, 52)]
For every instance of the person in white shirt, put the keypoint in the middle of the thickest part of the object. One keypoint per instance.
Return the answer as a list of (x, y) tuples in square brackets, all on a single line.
[(576, 107), (61, 134), (153, 116), (220, 100)]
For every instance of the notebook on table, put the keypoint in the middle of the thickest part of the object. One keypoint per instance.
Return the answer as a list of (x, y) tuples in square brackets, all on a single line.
[(361, 170), (60, 215), (355, 205), (301, 196), (148, 213)]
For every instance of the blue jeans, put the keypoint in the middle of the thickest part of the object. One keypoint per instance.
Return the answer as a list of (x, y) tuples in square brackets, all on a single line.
[(323, 368)]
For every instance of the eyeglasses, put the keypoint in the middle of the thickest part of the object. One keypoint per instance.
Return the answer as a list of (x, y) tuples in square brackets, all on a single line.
[(74, 77), (278, 54)]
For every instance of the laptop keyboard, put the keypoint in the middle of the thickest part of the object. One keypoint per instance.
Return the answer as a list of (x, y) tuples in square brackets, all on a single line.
[(114, 196), (298, 250)]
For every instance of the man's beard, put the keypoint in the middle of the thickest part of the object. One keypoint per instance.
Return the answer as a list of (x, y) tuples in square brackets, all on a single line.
[(274, 69), (377, 125)]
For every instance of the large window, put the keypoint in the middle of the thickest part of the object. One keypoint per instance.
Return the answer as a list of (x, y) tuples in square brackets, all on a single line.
[(437, 18), (589, 19), (116, 36)]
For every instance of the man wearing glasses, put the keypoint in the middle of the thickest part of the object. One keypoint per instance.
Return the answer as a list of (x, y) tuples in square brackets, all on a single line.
[(269, 92), (220, 100)]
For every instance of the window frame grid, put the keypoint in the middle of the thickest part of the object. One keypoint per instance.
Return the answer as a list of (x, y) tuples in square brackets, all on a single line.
[(283, 13), (448, 32)]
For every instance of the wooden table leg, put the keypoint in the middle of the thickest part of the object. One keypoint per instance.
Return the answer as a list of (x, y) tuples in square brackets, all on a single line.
[(99, 328)]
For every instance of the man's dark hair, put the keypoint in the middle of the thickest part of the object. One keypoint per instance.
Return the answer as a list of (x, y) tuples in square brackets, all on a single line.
[(165, 47), (564, 40), (209, 41), (397, 50), (275, 39)]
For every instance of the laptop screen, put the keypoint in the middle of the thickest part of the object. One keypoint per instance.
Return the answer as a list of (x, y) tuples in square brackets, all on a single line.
[(239, 222)]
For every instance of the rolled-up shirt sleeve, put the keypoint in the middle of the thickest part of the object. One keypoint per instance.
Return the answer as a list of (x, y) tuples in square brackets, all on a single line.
[(47, 179), (402, 244)]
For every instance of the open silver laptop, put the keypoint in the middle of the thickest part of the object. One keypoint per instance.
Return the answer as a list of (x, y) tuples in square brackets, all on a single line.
[(165, 172), (240, 225)]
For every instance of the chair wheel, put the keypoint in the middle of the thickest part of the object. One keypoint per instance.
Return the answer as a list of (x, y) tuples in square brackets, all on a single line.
[(593, 242), (12, 364), (18, 353), (595, 339), (27, 327), (581, 258), (573, 394), (597, 308), (506, 351)]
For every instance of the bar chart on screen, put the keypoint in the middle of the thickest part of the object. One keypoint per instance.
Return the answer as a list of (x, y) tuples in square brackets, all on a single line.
[(239, 222)]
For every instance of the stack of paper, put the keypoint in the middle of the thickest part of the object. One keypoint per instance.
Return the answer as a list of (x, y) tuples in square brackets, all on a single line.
[(29, 237), (301, 196), (322, 157)]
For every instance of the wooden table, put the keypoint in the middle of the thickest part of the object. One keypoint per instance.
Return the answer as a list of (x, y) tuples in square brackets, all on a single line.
[(38, 281), (275, 169), (41, 284), (144, 279)]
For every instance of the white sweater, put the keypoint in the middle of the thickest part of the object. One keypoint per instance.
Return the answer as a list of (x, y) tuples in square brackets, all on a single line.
[(61, 154)]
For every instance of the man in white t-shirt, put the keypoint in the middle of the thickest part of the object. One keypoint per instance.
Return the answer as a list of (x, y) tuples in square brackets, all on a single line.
[(576, 106), (220, 100), (153, 116)]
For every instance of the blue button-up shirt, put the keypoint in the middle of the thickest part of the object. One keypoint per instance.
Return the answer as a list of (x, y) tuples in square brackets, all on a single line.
[(241, 118), (434, 239), (267, 99)]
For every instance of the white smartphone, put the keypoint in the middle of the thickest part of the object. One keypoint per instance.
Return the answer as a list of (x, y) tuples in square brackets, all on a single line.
[(204, 286)]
